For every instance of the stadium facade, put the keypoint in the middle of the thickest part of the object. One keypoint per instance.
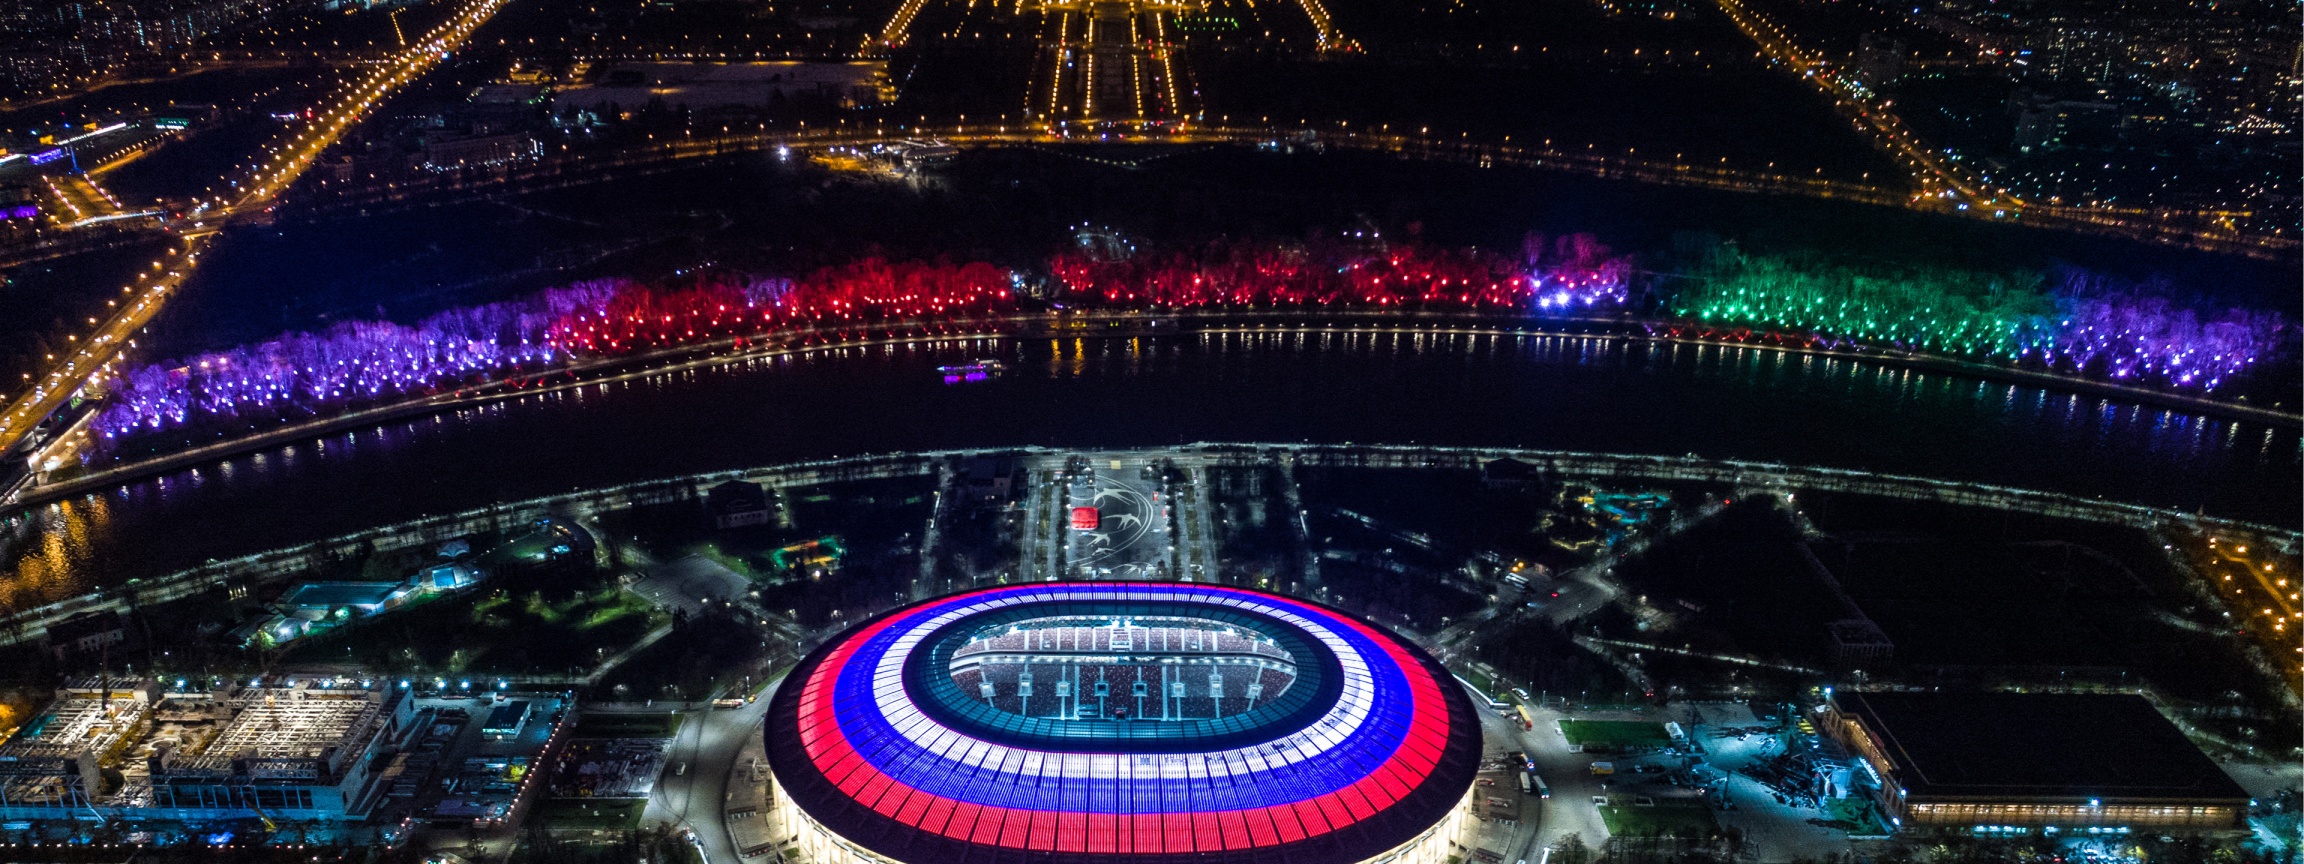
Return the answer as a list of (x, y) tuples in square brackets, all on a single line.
[(1147, 722)]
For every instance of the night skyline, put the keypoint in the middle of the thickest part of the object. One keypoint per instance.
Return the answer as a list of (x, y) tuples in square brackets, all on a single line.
[(491, 430)]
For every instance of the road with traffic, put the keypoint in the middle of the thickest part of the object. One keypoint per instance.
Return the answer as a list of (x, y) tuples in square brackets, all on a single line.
[(693, 793), (265, 177)]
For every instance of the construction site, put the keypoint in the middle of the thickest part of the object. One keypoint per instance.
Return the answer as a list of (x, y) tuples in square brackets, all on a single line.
[(288, 749)]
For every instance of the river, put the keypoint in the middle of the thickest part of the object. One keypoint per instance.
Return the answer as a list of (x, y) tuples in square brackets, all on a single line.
[(1563, 392)]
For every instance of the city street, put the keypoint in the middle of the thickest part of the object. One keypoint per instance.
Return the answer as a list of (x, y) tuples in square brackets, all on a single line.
[(267, 175), (1537, 815), (1570, 810), (708, 746)]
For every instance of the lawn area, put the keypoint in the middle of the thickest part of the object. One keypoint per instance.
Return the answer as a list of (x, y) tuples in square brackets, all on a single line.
[(579, 813), (1675, 820), (1472, 673), (698, 659), (1615, 733), (489, 630), (592, 724), (736, 562)]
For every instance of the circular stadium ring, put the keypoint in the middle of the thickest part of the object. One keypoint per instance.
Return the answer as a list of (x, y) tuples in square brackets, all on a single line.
[(1368, 755)]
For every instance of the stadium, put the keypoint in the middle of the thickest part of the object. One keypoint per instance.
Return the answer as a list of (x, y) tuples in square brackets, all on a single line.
[(1064, 722)]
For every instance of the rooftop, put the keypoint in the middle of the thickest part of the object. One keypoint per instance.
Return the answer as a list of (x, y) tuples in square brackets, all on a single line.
[(294, 722), (2037, 745), (89, 715), (1368, 721), (301, 721)]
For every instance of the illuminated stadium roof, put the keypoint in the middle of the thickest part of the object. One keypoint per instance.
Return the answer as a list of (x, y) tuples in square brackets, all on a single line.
[(1367, 748)]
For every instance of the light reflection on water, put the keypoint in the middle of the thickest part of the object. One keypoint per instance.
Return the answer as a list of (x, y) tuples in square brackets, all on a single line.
[(50, 561), (1567, 392)]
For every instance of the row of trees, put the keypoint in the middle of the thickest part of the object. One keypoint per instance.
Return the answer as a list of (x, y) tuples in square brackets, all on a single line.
[(2079, 323), (2075, 321)]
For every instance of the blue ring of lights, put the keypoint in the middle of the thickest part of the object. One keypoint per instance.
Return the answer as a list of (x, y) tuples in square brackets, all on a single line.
[(1318, 682), (867, 738)]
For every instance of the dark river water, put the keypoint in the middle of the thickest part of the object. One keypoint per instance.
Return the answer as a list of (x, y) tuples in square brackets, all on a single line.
[(1527, 391)]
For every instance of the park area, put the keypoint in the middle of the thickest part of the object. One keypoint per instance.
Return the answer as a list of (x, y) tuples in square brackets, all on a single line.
[(702, 657), (1612, 735), (1688, 820), (604, 724), (499, 631), (576, 814)]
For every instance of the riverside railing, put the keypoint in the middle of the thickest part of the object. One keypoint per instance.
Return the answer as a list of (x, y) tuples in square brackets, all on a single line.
[(1749, 477)]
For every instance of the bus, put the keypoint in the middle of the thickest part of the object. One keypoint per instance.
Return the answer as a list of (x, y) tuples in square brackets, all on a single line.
[(1530, 784)]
